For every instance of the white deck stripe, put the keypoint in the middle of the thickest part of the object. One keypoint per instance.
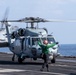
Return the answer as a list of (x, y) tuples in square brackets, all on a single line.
[(10, 70), (17, 70)]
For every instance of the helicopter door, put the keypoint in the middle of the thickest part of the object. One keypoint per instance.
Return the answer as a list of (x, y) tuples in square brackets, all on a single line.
[(27, 43)]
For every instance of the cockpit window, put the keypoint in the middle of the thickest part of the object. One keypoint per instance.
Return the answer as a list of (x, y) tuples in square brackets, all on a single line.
[(35, 40), (44, 39), (51, 40)]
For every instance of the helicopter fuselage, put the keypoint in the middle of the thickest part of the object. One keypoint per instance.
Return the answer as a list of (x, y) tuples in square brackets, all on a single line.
[(26, 46), (24, 43)]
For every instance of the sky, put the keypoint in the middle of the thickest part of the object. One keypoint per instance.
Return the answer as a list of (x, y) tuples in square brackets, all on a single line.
[(64, 32)]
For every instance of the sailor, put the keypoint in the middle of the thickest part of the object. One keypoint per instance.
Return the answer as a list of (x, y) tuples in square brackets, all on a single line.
[(45, 53)]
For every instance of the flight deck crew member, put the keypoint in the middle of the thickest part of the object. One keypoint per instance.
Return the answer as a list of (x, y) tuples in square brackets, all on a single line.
[(45, 52)]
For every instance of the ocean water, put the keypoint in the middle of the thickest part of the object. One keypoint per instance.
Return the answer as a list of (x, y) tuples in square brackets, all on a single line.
[(64, 49), (67, 49)]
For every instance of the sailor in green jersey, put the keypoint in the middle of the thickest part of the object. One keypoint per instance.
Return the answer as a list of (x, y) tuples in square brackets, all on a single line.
[(45, 52)]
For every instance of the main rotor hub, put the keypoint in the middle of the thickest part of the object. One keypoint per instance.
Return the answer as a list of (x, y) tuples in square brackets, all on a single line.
[(33, 20)]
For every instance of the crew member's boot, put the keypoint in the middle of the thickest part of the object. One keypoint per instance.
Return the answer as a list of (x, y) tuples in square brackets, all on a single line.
[(47, 68)]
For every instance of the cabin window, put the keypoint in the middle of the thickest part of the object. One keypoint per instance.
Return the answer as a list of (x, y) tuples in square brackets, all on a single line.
[(51, 40), (34, 41)]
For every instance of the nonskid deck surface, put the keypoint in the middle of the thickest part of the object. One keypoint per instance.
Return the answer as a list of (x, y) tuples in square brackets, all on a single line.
[(63, 66)]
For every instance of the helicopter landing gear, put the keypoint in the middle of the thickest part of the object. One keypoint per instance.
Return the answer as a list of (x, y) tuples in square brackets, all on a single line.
[(13, 58), (34, 58), (53, 60), (20, 60)]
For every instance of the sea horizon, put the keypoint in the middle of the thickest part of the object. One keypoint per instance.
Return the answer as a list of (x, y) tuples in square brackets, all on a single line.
[(64, 50)]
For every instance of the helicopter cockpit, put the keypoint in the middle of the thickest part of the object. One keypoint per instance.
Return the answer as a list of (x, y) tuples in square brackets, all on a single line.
[(34, 40), (31, 43)]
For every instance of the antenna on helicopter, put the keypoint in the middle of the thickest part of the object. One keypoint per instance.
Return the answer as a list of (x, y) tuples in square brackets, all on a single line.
[(51, 33)]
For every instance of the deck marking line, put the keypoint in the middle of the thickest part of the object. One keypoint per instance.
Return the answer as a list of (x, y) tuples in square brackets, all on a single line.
[(10, 70), (46, 72), (3, 70)]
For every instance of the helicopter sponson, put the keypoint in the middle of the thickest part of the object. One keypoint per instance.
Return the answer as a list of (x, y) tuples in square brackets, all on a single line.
[(16, 46)]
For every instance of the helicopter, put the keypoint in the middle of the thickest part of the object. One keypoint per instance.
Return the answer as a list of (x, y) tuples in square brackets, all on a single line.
[(24, 44)]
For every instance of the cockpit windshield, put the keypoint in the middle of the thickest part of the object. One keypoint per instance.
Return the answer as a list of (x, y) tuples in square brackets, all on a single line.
[(51, 40), (35, 40)]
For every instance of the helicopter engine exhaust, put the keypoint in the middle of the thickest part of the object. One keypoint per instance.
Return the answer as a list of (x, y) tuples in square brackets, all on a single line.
[(13, 35), (21, 32)]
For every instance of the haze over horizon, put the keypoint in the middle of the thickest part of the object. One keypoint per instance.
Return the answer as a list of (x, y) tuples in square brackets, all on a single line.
[(64, 32)]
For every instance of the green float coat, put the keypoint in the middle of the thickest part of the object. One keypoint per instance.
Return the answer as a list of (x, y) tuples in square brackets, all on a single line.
[(46, 47)]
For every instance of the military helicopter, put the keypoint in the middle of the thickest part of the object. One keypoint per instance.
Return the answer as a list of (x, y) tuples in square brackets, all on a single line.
[(24, 44)]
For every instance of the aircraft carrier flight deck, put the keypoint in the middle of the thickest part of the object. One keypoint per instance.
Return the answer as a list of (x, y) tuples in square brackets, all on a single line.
[(63, 66)]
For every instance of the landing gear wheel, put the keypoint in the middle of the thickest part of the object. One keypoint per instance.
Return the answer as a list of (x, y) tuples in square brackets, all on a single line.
[(53, 60), (20, 60), (12, 59), (34, 58)]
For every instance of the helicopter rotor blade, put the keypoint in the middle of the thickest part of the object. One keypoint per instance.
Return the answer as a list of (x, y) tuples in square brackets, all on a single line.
[(29, 20), (5, 18), (52, 20), (6, 14), (32, 19), (35, 20)]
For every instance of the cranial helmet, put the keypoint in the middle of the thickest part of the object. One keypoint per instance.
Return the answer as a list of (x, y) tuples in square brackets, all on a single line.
[(45, 42)]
